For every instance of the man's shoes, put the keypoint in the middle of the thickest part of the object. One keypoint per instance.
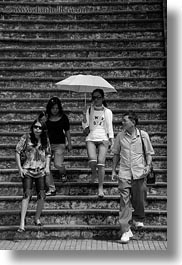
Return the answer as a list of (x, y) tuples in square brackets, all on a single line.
[(126, 237), (138, 224), (51, 193), (130, 233)]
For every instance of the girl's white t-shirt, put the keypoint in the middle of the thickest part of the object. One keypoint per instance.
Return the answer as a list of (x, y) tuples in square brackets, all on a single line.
[(98, 132)]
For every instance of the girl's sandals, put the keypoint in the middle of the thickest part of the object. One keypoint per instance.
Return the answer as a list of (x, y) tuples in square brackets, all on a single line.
[(21, 230)]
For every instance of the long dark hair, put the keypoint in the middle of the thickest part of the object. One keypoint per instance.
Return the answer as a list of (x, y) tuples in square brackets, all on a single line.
[(43, 135), (101, 92), (54, 101)]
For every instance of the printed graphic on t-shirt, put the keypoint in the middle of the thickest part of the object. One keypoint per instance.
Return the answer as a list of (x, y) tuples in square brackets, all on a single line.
[(98, 120)]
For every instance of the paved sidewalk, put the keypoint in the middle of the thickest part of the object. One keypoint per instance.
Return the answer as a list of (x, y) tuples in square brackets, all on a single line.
[(85, 244)]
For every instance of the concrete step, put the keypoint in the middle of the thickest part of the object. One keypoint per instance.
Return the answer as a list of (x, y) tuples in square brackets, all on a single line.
[(47, 92), (7, 137), (78, 149), (93, 53), (83, 34), (76, 188), (99, 42), (127, 68), (154, 202), (90, 15), (76, 114), (81, 161), (81, 24), (124, 82), (89, 66), (49, 81), (78, 7), (77, 174), (16, 126), (84, 3), (79, 217), (148, 72), (81, 231), (33, 103), (41, 81), (85, 12), (19, 125), (103, 64), (81, 11)]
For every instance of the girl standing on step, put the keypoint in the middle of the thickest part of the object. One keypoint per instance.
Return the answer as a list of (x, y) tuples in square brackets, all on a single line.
[(36, 164), (58, 129), (97, 123)]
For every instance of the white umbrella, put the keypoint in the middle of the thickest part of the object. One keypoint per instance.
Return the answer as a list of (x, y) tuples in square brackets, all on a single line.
[(85, 83)]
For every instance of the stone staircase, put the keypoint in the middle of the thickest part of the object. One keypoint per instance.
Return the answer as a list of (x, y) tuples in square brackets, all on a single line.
[(43, 42)]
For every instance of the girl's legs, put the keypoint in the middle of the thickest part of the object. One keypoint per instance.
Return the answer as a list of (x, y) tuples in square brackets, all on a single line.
[(92, 156), (39, 182), (27, 187), (103, 147), (101, 175), (24, 207), (58, 152)]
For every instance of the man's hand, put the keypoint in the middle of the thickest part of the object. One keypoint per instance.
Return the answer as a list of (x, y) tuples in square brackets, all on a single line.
[(146, 170)]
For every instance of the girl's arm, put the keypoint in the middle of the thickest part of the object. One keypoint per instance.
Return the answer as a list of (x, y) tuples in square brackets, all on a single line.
[(18, 162), (85, 121), (109, 117), (21, 146), (48, 163)]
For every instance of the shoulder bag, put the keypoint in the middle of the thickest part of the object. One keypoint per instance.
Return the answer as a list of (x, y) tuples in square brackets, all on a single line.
[(151, 178)]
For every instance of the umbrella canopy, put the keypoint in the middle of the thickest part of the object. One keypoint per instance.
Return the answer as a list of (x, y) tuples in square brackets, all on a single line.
[(85, 83)]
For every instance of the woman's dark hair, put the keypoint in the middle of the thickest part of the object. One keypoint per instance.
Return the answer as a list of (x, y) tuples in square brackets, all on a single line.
[(43, 135), (101, 92), (132, 116), (54, 101), (41, 115)]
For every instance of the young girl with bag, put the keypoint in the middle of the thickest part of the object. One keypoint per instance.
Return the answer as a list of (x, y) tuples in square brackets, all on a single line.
[(100, 136)]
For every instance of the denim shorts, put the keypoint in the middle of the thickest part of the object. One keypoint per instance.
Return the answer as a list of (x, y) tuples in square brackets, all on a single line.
[(28, 182)]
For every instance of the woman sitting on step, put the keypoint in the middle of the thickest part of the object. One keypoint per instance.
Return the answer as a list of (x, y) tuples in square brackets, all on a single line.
[(33, 154), (97, 125)]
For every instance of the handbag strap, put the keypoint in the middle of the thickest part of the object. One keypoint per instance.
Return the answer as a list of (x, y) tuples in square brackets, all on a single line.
[(143, 146)]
